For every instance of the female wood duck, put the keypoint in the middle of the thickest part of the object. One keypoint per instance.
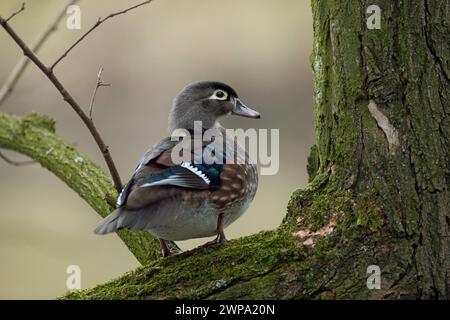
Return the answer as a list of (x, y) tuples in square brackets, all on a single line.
[(180, 201)]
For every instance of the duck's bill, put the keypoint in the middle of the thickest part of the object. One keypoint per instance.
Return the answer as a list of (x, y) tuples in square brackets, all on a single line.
[(242, 110)]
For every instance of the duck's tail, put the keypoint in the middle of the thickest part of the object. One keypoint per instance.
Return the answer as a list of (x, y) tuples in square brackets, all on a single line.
[(109, 224)]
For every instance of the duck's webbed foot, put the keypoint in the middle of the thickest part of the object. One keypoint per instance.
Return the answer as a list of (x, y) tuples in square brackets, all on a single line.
[(169, 249), (220, 238), (217, 240)]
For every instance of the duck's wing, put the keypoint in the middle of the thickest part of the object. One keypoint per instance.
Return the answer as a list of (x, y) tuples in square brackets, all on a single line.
[(156, 173), (160, 150), (152, 154), (159, 185)]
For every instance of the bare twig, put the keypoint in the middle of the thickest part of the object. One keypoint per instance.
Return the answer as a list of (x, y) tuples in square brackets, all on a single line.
[(99, 22), (70, 100), (17, 12), (18, 70), (100, 83), (16, 163)]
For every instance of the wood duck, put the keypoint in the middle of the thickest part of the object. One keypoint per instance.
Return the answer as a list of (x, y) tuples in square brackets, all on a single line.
[(192, 199)]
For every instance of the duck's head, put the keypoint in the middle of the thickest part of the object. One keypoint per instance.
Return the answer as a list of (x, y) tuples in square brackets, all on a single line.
[(206, 101)]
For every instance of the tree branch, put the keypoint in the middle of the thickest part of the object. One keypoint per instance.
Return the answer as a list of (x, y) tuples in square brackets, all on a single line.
[(16, 13), (99, 83), (34, 136), (246, 268), (98, 23), (18, 70), (70, 100)]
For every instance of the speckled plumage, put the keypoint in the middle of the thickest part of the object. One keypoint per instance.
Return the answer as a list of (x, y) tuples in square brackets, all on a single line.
[(183, 201)]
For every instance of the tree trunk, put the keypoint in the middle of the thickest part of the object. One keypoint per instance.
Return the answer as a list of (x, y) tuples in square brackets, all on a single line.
[(379, 176), (383, 130)]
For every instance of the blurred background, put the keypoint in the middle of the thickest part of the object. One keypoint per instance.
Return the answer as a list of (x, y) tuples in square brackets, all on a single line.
[(260, 47)]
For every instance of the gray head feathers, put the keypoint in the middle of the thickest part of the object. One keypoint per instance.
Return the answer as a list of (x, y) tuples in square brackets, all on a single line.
[(197, 102)]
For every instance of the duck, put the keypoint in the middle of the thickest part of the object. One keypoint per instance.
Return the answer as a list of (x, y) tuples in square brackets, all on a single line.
[(181, 200)]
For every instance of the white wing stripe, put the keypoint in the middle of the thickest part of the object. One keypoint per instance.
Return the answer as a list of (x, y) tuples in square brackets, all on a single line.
[(193, 169), (120, 199)]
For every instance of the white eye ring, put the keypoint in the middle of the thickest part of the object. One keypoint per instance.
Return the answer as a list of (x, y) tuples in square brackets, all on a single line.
[(219, 95)]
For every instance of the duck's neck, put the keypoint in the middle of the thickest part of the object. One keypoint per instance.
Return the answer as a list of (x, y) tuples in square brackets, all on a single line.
[(215, 125)]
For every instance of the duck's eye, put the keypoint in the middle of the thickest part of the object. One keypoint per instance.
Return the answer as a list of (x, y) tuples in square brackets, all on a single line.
[(219, 95)]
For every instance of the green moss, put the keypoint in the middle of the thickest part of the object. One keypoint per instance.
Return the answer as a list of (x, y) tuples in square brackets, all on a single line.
[(322, 247), (321, 207), (313, 163), (339, 86), (201, 272), (370, 218), (367, 212), (39, 120)]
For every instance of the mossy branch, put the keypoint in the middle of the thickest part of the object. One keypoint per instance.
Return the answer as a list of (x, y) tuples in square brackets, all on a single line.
[(233, 270), (34, 136), (319, 251)]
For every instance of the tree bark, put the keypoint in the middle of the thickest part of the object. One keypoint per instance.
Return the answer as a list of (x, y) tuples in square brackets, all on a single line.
[(379, 176)]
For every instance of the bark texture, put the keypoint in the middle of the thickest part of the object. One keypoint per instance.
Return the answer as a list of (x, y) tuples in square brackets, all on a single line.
[(379, 190)]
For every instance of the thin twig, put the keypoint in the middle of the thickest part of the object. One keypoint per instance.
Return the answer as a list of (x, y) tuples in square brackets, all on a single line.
[(99, 22), (100, 83), (18, 70), (17, 12), (16, 163), (70, 100)]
